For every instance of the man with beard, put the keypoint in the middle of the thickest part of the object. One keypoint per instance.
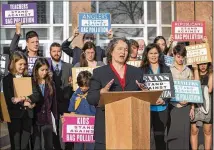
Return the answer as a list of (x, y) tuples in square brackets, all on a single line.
[(62, 78), (32, 42)]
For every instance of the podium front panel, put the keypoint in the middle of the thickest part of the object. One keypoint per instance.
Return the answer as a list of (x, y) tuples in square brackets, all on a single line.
[(128, 124)]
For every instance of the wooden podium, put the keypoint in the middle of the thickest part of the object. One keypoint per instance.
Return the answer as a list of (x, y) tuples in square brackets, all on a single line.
[(127, 117)]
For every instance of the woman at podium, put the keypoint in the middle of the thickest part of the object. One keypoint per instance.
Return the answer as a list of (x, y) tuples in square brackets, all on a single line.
[(115, 76)]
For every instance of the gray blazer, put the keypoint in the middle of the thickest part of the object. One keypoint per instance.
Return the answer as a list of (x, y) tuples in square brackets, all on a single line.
[(65, 90), (66, 73)]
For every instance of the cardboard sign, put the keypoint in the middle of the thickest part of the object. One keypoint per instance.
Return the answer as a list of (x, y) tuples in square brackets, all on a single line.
[(94, 22), (4, 61), (188, 30), (188, 90), (25, 13), (134, 63), (5, 115), (199, 53), (169, 61), (159, 82), (31, 62), (78, 128), (76, 71), (19, 83)]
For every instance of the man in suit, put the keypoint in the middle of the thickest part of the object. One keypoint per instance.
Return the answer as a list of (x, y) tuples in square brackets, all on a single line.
[(32, 42), (116, 76), (76, 52), (61, 76)]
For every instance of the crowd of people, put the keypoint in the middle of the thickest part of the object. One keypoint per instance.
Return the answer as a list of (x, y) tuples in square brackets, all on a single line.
[(174, 125)]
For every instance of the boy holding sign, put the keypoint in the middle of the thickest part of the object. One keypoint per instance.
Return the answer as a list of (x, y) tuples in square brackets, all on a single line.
[(79, 104)]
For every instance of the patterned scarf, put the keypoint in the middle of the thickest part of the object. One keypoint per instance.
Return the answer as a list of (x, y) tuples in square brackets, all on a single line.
[(79, 99)]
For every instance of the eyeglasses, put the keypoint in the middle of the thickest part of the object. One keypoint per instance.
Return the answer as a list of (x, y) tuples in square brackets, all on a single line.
[(89, 38), (88, 53)]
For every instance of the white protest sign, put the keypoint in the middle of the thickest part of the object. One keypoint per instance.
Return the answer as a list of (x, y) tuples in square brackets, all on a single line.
[(136, 63), (4, 61), (199, 53)]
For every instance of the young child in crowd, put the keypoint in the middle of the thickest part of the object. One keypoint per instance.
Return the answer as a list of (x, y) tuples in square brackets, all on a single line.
[(20, 108), (79, 105), (46, 110)]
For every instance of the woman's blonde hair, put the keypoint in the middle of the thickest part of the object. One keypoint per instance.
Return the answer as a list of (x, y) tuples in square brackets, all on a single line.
[(15, 57)]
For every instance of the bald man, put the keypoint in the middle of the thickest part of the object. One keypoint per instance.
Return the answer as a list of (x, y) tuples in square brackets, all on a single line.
[(142, 45)]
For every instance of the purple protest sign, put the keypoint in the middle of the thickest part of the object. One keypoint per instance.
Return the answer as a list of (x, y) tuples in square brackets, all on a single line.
[(78, 129), (49, 61), (31, 62), (25, 13)]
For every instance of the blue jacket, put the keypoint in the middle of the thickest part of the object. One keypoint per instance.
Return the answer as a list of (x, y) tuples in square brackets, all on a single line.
[(84, 108)]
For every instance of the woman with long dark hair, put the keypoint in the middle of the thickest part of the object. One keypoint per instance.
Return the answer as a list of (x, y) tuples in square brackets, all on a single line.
[(161, 41), (153, 64), (88, 56), (46, 110)]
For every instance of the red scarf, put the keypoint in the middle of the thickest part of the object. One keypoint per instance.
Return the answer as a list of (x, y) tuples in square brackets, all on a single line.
[(121, 80)]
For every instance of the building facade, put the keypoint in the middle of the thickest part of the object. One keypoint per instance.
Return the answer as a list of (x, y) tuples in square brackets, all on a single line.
[(131, 19)]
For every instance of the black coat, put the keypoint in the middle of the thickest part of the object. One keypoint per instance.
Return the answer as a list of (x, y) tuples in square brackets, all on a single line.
[(101, 76)]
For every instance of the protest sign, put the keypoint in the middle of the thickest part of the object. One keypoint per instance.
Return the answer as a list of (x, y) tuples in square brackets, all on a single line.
[(4, 111), (94, 22), (160, 82), (4, 61), (188, 90), (78, 128), (19, 83), (136, 63), (31, 62), (76, 71), (188, 30), (169, 61), (199, 53), (25, 13)]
